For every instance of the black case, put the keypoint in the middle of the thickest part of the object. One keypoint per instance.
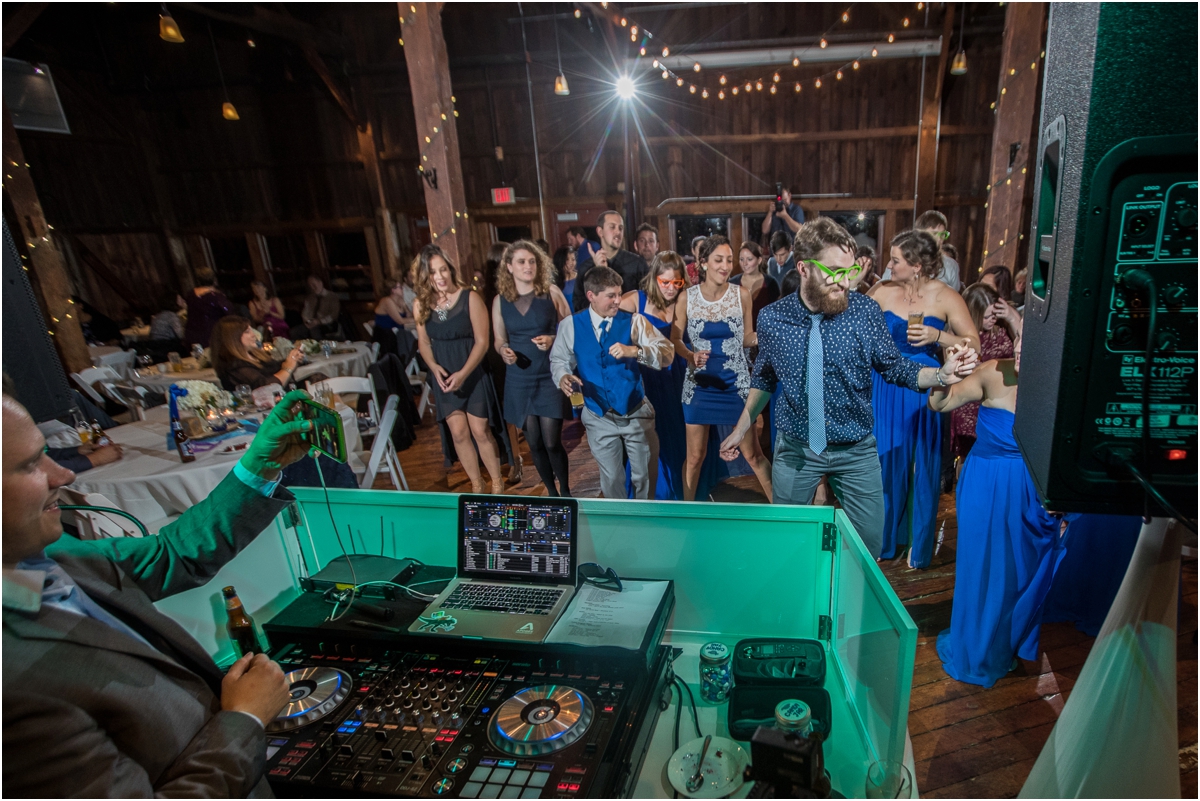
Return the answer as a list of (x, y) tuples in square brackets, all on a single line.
[(756, 693)]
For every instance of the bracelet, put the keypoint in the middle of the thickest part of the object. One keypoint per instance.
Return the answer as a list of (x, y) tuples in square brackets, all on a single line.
[(938, 375)]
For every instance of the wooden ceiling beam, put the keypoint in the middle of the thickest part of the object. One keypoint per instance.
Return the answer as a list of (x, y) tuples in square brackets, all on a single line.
[(339, 95), (283, 26), (16, 26)]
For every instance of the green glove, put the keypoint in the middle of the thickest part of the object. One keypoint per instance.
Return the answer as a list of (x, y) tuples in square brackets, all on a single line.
[(279, 440)]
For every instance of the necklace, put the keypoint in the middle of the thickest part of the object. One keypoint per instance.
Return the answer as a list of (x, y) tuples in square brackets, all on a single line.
[(442, 310)]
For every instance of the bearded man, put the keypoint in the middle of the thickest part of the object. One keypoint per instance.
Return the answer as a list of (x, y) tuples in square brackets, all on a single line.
[(819, 346)]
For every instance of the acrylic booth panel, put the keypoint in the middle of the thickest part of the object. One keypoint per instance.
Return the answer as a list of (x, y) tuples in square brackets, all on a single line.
[(739, 570)]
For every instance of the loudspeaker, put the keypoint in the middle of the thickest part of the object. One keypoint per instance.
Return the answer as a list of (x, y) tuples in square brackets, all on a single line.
[(1115, 191), (29, 357)]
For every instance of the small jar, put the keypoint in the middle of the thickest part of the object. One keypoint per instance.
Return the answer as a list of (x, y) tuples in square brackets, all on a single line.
[(716, 677), (793, 717)]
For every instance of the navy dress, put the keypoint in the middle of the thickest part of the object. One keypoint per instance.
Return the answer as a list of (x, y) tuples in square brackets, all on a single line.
[(716, 394), (529, 388), (664, 388), (909, 436), (1099, 549), (1008, 550), (451, 341)]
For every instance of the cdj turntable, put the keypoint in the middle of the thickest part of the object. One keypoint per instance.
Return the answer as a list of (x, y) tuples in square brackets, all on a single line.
[(471, 722)]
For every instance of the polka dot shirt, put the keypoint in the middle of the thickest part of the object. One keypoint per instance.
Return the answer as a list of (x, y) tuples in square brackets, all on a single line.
[(855, 342)]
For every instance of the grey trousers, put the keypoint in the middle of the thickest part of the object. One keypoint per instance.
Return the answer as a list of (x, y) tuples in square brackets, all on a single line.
[(613, 437), (854, 473)]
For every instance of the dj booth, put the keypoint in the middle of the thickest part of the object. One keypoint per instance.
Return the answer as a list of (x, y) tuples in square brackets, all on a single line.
[(782, 573)]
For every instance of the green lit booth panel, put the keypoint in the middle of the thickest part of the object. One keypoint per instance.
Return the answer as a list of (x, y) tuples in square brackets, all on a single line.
[(739, 570)]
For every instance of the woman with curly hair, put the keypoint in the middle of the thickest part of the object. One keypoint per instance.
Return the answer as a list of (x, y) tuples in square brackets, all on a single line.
[(922, 314), (525, 317), (452, 335)]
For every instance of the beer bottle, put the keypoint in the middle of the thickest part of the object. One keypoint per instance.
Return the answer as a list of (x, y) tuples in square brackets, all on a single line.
[(99, 438), (240, 625), (182, 443), (268, 334)]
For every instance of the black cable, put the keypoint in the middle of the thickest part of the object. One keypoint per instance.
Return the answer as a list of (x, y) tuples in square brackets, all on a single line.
[(1151, 492), (106, 510), (336, 533), (692, 699), (1143, 281)]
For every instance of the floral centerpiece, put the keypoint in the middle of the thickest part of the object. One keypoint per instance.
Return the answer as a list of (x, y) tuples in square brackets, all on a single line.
[(203, 397)]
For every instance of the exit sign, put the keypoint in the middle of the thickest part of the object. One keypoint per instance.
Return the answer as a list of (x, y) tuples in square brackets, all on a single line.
[(503, 196)]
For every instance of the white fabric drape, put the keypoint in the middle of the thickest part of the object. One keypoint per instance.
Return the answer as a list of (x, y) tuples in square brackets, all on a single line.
[(1117, 736)]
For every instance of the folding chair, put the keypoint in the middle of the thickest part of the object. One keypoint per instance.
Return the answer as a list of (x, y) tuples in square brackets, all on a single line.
[(382, 451), (86, 380), (420, 380)]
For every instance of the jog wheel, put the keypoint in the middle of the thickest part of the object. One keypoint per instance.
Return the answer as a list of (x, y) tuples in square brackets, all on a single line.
[(315, 691), (540, 720)]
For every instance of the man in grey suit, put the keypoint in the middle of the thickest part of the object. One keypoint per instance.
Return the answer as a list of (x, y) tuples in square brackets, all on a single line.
[(103, 694)]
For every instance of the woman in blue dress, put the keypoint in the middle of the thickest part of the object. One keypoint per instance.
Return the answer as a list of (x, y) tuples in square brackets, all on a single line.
[(908, 433), (713, 327), (655, 300), (1008, 546), (525, 317), (1099, 549)]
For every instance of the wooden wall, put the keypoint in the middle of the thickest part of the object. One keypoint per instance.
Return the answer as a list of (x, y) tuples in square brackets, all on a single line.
[(150, 158)]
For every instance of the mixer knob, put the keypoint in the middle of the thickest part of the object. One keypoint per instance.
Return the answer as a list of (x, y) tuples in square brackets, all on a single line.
[(445, 706), (389, 703), (441, 685), (405, 683), (460, 687), (426, 706), (424, 685), (408, 704), (452, 697), (433, 696), (415, 694)]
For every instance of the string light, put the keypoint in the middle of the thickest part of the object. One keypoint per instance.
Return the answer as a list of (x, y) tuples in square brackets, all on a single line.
[(679, 81), (655, 62), (721, 94), (665, 75), (855, 64), (758, 85), (839, 75), (818, 83), (797, 86), (722, 79), (578, 13), (692, 88), (824, 43), (772, 88), (666, 52), (735, 90), (642, 52), (906, 22), (891, 38), (633, 31), (796, 61), (704, 94), (775, 77), (874, 52), (624, 22), (920, 6), (748, 86), (845, 16), (696, 67)]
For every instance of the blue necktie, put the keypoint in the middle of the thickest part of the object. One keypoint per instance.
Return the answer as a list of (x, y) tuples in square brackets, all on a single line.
[(604, 330), (816, 388)]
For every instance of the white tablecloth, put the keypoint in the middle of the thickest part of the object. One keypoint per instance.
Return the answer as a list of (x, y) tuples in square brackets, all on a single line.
[(338, 364), (114, 357), (151, 483)]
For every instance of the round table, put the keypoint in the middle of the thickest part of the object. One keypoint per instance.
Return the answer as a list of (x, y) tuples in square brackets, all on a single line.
[(353, 363), (114, 357), (152, 484)]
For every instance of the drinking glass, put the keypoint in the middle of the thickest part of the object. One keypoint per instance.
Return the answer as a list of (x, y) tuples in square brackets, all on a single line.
[(175, 361), (887, 779), (704, 347), (244, 396), (326, 348)]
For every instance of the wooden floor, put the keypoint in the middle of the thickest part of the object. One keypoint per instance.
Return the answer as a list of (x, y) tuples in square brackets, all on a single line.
[(968, 741)]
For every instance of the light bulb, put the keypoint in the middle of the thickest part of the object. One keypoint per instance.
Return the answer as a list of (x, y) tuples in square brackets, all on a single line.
[(250, 43), (655, 62), (906, 22), (722, 79), (228, 111), (772, 88), (578, 13), (666, 52), (679, 81), (758, 85), (775, 77), (796, 61), (721, 94), (824, 44), (692, 88), (696, 67), (168, 29), (624, 22), (560, 86), (959, 65), (633, 37), (797, 86), (920, 6), (818, 83), (845, 16), (735, 90), (665, 75), (633, 31), (874, 52), (704, 94), (839, 75), (641, 51), (891, 37), (855, 64), (748, 86)]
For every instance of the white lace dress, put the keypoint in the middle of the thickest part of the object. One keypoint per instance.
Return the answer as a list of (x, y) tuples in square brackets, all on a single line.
[(716, 394)]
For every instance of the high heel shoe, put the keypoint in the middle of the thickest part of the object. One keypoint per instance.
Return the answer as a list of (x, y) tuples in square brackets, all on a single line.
[(498, 487), (516, 473), (477, 487)]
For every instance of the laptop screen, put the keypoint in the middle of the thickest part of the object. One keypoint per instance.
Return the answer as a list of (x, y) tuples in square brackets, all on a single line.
[(509, 538)]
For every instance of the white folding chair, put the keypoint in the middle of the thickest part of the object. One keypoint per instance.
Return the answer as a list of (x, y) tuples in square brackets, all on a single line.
[(381, 450), (86, 379), (136, 398), (369, 327), (420, 380)]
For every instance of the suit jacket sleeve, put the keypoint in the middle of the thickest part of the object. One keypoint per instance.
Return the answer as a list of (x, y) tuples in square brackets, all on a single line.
[(190, 551), (53, 748)]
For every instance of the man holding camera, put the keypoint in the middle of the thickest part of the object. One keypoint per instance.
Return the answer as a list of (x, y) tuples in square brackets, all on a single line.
[(105, 696), (783, 214)]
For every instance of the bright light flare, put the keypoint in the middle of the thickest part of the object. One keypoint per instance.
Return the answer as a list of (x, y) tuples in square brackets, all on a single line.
[(626, 88)]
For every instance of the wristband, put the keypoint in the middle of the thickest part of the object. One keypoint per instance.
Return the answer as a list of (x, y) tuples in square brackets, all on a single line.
[(938, 375)]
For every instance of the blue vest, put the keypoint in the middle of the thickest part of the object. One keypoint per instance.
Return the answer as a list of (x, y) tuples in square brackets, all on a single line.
[(608, 383)]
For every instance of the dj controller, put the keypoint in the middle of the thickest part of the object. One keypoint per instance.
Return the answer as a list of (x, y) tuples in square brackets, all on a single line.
[(463, 721)]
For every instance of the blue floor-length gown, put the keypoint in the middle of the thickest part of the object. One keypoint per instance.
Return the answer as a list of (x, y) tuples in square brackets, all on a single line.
[(1008, 550), (664, 388), (909, 437), (1099, 549)]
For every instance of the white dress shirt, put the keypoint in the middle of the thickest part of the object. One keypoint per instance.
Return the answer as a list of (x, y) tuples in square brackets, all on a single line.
[(656, 351)]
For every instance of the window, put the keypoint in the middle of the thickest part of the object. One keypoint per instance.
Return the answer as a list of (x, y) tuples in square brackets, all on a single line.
[(752, 229), (865, 226), (289, 264), (685, 228)]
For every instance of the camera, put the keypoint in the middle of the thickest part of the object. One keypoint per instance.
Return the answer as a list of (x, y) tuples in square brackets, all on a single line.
[(779, 196)]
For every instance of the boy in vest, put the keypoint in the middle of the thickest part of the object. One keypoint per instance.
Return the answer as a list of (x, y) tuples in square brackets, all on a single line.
[(597, 352)]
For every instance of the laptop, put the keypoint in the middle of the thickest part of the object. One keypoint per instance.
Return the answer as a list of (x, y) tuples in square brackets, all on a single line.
[(516, 570)]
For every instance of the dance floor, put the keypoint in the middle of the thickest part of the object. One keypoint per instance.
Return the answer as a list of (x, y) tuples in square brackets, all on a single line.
[(967, 741)]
